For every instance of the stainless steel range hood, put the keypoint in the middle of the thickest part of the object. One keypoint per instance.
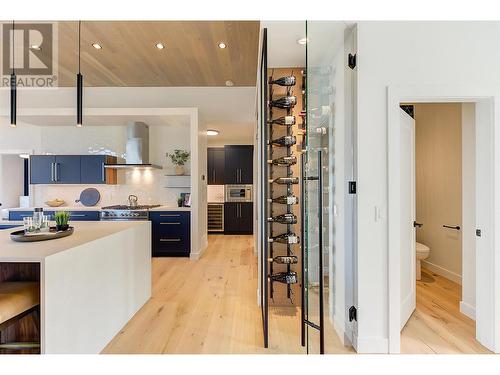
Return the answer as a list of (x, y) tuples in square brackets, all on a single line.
[(137, 149)]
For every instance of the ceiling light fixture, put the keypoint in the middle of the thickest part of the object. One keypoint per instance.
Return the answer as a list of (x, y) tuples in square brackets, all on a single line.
[(24, 156), (212, 132), (159, 45), (222, 45), (36, 47), (229, 83), (13, 85), (96, 46), (79, 83), (302, 41)]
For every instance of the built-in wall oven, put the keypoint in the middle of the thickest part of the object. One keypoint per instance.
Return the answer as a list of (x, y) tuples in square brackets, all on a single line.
[(238, 193)]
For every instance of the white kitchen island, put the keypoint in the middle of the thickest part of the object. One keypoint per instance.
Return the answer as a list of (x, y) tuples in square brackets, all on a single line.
[(91, 283)]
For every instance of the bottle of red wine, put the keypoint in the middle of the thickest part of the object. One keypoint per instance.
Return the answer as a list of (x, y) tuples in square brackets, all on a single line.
[(284, 259), (284, 81), (283, 219), (285, 120), (285, 180), (284, 161), (285, 141), (289, 238), (284, 277), (284, 102), (285, 199)]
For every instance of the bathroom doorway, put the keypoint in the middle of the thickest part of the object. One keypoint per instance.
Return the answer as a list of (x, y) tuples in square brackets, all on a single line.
[(438, 174)]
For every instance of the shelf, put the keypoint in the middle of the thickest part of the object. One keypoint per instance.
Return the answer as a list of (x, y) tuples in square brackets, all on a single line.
[(177, 175)]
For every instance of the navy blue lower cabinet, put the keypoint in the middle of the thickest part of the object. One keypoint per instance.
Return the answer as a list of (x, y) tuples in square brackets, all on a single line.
[(74, 215), (171, 233)]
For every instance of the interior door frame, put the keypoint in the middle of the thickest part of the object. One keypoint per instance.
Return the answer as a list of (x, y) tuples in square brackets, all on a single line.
[(487, 322)]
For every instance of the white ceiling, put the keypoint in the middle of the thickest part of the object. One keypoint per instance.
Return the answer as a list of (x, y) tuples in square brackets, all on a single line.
[(283, 49)]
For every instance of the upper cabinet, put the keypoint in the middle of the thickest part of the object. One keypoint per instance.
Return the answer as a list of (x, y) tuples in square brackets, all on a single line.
[(71, 169), (238, 164), (215, 167)]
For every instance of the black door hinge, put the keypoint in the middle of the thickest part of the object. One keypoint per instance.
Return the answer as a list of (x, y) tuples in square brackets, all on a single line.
[(351, 61), (353, 314), (352, 187)]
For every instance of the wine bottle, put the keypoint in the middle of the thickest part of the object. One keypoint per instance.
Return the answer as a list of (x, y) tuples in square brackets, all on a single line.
[(284, 259), (284, 277), (284, 161), (284, 102), (285, 141), (284, 81), (288, 238), (285, 120), (285, 199), (283, 219), (285, 180)]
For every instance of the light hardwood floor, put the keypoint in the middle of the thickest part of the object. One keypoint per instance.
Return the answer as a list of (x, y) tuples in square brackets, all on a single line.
[(210, 306), (437, 326)]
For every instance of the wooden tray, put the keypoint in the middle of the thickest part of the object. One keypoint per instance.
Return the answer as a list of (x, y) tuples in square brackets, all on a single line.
[(19, 235)]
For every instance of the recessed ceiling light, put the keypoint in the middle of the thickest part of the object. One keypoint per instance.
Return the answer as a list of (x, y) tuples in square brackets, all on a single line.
[(96, 46), (160, 45), (212, 132), (222, 45), (36, 47), (302, 41), (229, 83)]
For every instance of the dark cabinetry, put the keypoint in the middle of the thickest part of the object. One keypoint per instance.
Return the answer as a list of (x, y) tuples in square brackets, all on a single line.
[(238, 164), (171, 233), (215, 167), (71, 169), (74, 215), (238, 218)]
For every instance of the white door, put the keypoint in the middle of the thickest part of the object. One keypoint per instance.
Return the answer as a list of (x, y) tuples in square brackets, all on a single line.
[(407, 185)]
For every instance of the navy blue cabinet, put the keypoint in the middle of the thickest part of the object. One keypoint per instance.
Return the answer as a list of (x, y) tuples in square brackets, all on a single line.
[(71, 169), (92, 169), (238, 218), (238, 164), (67, 169), (74, 215), (171, 234), (42, 169)]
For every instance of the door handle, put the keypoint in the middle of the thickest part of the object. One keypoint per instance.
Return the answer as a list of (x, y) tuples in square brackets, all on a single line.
[(417, 225), (456, 227)]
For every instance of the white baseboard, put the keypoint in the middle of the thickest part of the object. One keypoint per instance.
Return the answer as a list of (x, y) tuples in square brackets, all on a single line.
[(468, 310), (371, 345), (344, 332), (442, 272)]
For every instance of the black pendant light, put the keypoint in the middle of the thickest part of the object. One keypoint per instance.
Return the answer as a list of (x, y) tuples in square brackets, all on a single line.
[(79, 84), (13, 85)]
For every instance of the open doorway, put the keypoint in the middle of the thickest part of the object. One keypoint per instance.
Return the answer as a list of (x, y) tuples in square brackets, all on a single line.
[(437, 257), (14, 190)]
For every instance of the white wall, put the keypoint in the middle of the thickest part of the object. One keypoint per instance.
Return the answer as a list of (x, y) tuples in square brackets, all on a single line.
[(468, 302), (392, 54), (11, 180)]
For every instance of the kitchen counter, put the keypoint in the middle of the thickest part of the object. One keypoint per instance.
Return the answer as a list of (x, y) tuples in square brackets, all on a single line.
[(92, 282), (170, 208)]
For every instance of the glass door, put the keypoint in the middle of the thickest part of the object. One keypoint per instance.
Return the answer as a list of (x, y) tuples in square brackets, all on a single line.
[(326, 170)]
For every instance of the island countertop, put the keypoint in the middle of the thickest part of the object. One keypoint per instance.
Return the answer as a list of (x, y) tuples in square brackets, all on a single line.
[(85, 232)]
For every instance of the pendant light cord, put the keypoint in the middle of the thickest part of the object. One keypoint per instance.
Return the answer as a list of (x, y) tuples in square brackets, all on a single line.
[(79, 44), (13, 47)]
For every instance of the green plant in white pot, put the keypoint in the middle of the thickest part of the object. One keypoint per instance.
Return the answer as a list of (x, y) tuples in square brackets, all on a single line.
[(179, 159)]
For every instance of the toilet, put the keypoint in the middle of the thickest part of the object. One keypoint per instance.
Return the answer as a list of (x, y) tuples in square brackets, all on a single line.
[(422, 253)]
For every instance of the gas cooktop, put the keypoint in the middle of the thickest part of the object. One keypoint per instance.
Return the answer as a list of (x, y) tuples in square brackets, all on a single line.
[(125, 207)]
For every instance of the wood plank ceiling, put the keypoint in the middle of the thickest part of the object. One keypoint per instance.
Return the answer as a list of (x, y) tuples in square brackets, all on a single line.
[(128, 57)]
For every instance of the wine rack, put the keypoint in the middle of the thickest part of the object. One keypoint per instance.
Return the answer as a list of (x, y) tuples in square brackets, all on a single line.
[(281, 255)]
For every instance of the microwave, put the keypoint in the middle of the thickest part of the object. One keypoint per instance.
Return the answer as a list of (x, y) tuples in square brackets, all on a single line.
[(238, 193)]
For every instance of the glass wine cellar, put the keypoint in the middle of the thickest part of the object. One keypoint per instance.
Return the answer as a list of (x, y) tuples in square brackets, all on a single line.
[(308, 191)]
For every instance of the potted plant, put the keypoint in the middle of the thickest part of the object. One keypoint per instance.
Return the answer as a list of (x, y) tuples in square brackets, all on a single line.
[(179, 158), (62, 220), (180, 201)]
